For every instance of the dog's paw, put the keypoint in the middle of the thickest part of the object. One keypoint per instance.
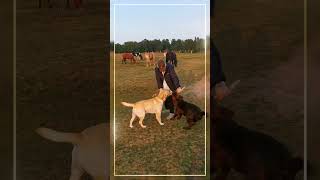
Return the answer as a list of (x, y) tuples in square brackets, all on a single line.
[(161, 124), (143, 126), (131, 126)]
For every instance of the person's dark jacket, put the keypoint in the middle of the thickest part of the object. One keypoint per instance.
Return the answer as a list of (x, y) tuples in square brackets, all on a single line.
[(171, 57), (170, 76), (216, 73)]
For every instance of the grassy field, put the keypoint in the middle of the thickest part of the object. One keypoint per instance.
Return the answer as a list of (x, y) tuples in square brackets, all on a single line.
[(62, 83), (167, 149)]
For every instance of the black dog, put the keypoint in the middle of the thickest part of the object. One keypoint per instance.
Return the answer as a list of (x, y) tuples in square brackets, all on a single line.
[(257, 155), (192, 112)]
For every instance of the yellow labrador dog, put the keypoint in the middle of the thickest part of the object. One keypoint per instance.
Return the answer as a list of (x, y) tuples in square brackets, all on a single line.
[(90, 153), (153, 106)]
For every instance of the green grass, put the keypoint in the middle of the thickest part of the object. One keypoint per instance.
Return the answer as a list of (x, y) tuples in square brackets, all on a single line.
[(167, 149)]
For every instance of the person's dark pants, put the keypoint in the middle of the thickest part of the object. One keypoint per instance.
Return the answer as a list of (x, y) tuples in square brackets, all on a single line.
[(168, 104), (173, 62)]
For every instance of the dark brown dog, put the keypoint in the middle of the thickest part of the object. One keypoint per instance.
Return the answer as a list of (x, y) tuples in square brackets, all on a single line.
[(192, 112), (257, 155)]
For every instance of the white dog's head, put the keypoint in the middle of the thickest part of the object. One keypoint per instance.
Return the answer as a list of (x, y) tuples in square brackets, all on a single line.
[(163, 94)]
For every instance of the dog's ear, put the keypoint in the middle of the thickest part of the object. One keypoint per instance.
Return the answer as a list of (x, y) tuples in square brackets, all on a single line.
[(157, 93), (163, 94)]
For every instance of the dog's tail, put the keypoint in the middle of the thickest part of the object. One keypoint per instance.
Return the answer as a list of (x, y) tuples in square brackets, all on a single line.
[(74, 138), (127, 104)]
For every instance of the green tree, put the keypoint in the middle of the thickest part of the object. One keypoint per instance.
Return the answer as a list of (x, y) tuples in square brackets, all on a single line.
[(118, 48), (111, 46), (165, 44), (188, 45), (173, 44), (179, 45)]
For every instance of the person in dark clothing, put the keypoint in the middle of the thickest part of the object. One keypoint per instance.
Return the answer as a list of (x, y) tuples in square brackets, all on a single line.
[(217, 74), (167, 79), (218, 90), (171, 57), (218, 78)]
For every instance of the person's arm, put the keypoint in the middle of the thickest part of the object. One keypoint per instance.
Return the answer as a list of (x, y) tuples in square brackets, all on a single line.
[(217, 82), (217, 74), (167, 57), (158, 73), (173, 76)]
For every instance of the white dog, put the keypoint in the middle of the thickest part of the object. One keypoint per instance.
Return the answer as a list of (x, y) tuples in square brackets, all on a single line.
[(90, 153), (153, 106)]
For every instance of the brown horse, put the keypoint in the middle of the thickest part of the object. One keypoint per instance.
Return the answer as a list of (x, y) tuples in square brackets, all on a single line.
[(150, 58), (129, 56)]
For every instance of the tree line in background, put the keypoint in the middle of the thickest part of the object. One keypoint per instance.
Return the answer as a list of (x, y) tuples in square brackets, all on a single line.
[(156, 45)]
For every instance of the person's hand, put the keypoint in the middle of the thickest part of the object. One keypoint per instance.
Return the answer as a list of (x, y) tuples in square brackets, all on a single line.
[(221, 91), (179, 90)]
